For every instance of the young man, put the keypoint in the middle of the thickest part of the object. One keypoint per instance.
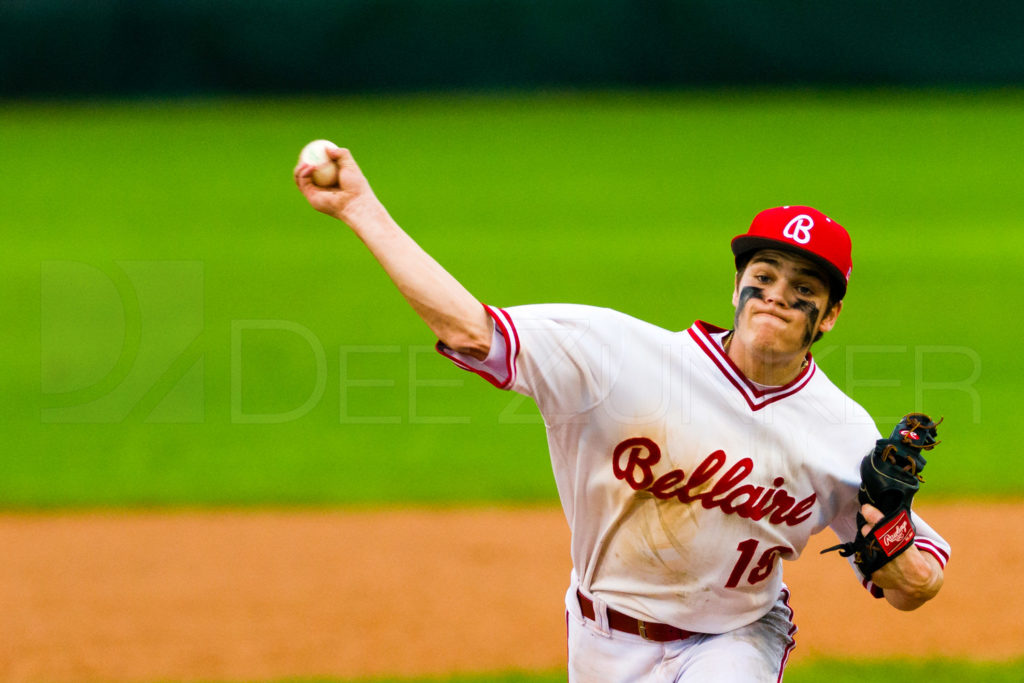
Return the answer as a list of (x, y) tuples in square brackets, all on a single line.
[(688, 463)]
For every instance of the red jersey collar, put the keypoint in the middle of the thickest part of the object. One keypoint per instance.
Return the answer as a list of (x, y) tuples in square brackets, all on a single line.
[(756, 397)]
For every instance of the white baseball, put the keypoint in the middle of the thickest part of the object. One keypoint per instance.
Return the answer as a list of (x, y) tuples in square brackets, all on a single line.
[(326, 172)]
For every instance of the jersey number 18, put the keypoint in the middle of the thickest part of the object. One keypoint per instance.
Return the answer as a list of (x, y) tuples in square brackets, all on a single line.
[(764, 567)]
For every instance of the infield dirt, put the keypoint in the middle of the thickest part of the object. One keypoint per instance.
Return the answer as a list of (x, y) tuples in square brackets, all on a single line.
[(249, 595)]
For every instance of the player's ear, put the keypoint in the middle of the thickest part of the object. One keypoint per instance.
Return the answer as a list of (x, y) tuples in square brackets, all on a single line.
[(829, 320), (736, 291)]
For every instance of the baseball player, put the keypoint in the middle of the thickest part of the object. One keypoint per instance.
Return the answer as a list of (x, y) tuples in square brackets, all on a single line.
[(688, 463)]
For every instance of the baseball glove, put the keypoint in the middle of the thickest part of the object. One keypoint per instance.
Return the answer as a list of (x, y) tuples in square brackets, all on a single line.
[(890, 476)]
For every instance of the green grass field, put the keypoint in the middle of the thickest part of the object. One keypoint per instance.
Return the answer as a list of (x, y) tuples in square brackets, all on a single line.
[(833, 671), (182, 329)]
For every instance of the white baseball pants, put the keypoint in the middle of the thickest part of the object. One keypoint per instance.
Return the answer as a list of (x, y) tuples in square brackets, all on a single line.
[(753, 654)]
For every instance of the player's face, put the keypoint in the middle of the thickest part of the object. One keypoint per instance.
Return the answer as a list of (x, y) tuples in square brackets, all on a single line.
[(781, 302)]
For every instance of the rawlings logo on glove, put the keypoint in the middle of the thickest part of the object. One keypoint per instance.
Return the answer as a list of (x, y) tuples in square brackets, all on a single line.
[(890, 476), (895, 535)]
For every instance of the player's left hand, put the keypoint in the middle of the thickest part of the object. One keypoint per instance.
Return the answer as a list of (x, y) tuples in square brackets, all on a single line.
[(909, 580)]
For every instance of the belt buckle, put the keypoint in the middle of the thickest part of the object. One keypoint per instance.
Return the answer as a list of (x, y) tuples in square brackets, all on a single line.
[(642, 628)]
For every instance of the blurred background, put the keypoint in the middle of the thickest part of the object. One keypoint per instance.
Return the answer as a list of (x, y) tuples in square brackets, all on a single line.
[(184, 47), (181, 328)]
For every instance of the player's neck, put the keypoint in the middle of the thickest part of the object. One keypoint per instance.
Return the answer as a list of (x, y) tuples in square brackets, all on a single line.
[(764, 366)]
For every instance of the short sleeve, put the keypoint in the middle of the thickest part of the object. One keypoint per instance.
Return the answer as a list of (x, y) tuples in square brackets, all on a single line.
[(565, 356), (499, 366)]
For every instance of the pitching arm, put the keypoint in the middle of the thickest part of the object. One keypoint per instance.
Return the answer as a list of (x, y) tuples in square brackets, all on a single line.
[(452, 313)]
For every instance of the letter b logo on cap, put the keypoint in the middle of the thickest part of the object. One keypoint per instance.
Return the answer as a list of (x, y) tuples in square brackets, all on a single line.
[(799, 229)]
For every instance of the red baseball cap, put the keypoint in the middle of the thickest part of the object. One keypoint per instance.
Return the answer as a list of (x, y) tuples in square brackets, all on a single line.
[(805, 231)]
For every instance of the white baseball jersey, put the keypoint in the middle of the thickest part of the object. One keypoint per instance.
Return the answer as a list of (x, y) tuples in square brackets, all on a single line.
[(683, 482)]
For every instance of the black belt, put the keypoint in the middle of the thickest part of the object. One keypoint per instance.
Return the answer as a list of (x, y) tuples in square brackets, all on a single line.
[(647, 630)]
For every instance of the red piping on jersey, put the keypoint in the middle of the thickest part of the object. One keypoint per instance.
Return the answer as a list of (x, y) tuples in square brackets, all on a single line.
[(507, 330), (792, 630), (511, 356), (928, 546), (756, 398)]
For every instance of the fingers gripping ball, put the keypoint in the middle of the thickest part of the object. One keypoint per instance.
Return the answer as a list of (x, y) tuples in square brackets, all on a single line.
[(890, 477), (325, 171)]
